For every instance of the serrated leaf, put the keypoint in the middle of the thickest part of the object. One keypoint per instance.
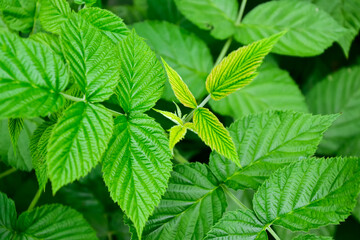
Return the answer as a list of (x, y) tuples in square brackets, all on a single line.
[(142, 76), (214, 134), (311, 237), (46, 222), (136, 166), (15, 126), (177, 133), (77, 142), (53, 13), (31, 78), (169, 115), (38, 148), (184, 51), (217, 16), (239, 224), (109, 24), (181, 90), (272, 89), (51, 40), (193, 203), (266, 142), (309, 193), (310, 30), (238, 69), (338, 93), (19, 15), (92, 58)]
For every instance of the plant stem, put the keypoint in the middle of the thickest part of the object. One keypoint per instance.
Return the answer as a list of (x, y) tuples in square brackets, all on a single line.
[(72, 98), (115, 113), (223, 51), (35, 199), (273, 233), (7, 172), (241, 12), (233, 197), (178, 157)]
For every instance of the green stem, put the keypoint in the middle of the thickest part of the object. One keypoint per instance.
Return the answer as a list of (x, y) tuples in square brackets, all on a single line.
[(178, 157), (72, 98), (115, 113), (7, 172), (223, 51), (241, 12), (35, 199), (273, 233), (233, 197)]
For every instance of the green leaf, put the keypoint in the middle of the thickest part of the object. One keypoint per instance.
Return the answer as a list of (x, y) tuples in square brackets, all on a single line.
[(77, 142), (31, 78), (309, 193), (136, 166), (92, 58), (310, 30), (338, 93), (38, 148), (217, 16), (15, 126), (109, 24), (173, 117), (346, 13), (311, 237), (238, 69), (18, 15), (214, 134), (181, 90), (53, 13), (184, 51), (193, 203), (142, 76), (51, 40), (266, 142), (164, 10), (177, 133), (55, 222), (239, 224), (272, 89)]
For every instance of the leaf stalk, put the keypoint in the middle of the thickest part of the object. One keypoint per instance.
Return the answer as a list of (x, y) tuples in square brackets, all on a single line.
[(35, 199), (7, 172)]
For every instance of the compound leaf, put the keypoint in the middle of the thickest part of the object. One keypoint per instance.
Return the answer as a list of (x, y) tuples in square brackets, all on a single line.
[(53, 13), (193, 203), (136, 166), (266, 142), (181, 90), (217, 16), (92, 58), (310, 30), (77, 143), (240, 223), (309, 193), (18, 14), (31, 78), (214, 134), (238, 69), (177, 133)]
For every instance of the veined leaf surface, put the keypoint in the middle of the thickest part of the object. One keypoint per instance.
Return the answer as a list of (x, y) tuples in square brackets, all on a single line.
[(18, 15), (15, 126), (53, 13), (238, 69), (177, 133), (77, 142)]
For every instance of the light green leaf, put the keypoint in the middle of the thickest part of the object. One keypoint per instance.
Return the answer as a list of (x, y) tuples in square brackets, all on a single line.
[(177, 133), (38, 148), (214, 15), (338, 93), (92, 58), (15, 126), (77, 142), (181, 90), (173, 117), (310, 30), (184, 51), (239, 224), (109, 24), (142, 76), (346, 13), (309, 193), (55, 222), (193, 203), (327, 232), (238, 69), (136, 166), (51, 40), (31, 78), (53, 13), (272, 89), (266, 142), (18, 14), (214, 134)]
